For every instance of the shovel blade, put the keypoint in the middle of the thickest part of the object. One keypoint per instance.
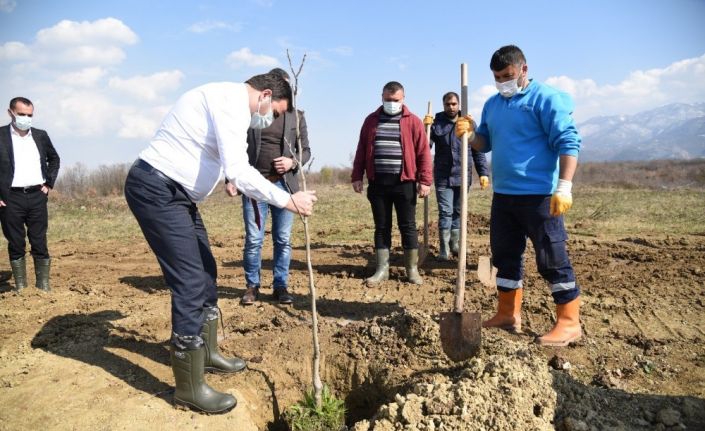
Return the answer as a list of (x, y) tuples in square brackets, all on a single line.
[(461, 335), (486, 273)]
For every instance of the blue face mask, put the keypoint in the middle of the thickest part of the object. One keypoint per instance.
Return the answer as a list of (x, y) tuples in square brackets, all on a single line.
[(23, 122), (260, 121)]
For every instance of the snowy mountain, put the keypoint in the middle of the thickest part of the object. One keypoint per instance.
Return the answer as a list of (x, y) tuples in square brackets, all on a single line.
[(675, 131)]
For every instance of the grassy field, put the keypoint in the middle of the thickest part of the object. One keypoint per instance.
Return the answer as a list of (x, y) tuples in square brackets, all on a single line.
[(343, 216)]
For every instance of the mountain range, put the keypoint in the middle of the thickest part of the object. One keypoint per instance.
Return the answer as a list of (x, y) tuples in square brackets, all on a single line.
[(675, 131)]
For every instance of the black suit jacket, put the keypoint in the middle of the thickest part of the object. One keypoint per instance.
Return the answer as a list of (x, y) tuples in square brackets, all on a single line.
[(254, 143), (48, 157)]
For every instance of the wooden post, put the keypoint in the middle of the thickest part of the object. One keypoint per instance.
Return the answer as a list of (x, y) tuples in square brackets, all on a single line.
[(425, 200)]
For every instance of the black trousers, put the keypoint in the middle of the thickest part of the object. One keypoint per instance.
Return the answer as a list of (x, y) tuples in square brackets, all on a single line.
[(173, 228), (25, 210), (401, 197)]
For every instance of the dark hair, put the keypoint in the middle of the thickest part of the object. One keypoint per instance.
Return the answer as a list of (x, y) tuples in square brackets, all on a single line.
[(23, 100), (505, 56), (449, 94), (280, 72), (281, 90), (392, 87)]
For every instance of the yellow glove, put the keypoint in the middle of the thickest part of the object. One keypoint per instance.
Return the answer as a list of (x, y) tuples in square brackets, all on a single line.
[(484, 182), (427, 120), (562, 199), (463, 125)]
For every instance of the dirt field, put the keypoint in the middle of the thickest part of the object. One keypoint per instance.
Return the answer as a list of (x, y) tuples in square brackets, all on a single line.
[(92, 354)]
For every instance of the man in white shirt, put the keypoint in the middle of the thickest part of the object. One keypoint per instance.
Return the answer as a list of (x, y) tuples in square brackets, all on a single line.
[(29, 165), (203, 136)]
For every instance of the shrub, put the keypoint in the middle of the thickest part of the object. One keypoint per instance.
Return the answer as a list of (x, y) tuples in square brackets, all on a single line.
[(304, 416)]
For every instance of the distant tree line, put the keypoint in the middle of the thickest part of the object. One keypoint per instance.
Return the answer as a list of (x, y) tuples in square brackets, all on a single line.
[(78, 181)]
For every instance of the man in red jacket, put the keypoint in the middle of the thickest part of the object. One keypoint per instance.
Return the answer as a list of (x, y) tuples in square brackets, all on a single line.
[(394, 153)]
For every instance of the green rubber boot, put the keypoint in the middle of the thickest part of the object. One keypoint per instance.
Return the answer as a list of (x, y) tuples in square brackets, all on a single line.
[(191, 389), (215, 362), (41, 271), (445, 244), (411, 259), (382, 272), (454, 241), (19, 271)]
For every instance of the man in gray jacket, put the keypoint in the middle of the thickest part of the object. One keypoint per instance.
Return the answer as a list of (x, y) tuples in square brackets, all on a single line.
[(274, 152)]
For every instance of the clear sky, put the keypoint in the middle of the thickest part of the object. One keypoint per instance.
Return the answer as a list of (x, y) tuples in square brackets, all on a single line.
[(103, 73)]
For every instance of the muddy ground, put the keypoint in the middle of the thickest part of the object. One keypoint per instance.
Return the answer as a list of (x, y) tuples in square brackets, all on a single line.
[(92, 354)]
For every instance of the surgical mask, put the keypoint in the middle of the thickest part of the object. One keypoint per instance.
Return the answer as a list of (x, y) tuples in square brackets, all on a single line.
[(509, 88), (23, 122), (260, 121), (392, 108)]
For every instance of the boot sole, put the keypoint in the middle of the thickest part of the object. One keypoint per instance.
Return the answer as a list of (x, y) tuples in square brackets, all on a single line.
[(563, 343), (184, 405), (374, 283), (213, 370), (510, 329)]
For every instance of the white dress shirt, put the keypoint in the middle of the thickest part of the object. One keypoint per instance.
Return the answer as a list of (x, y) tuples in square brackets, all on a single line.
[(204, 135), (28, 168)]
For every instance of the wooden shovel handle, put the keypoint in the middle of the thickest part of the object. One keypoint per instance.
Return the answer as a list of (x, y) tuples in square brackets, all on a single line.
[(460, 279)]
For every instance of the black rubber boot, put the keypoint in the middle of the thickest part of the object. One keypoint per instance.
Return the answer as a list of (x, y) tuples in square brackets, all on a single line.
[(382, 272), (215, 362), (188, 355), (411, 259), (19, 271), (41, 271)]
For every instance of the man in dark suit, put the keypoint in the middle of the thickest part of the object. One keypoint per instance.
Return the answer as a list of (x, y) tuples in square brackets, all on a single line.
[(29, 166)]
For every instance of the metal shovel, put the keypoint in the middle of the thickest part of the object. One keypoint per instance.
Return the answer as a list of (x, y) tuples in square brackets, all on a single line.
[(461, 332), (487, 273)]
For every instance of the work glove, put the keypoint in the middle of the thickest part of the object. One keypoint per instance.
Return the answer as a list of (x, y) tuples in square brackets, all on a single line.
[(427, 120), (465, 124), (484, 182), (562, 199)]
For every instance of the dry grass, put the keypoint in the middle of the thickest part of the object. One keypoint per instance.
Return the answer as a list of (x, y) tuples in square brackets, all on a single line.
[(343, 216)]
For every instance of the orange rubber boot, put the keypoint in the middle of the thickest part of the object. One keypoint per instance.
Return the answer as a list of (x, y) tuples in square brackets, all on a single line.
[(567, 328), (508, 315)]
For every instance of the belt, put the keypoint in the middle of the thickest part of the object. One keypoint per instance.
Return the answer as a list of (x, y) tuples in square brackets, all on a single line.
[(28, 189), (141, 164)]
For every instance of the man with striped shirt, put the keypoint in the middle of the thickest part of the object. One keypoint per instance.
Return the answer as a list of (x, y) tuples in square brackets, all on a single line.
[(394, 154)]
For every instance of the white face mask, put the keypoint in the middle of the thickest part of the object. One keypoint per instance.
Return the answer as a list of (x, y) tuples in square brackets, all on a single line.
[(260, 121), (23, 122), (392, 108), (509, 88)]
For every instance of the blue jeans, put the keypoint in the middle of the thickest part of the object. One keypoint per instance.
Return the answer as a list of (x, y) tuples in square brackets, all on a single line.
[(282, 221), (448, 205), (513, 219)]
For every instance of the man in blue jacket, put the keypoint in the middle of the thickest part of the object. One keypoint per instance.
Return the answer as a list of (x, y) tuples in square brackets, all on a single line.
[(447, 172), (529, 128)]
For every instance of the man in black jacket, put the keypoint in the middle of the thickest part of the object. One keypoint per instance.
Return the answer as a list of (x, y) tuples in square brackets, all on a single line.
[(274, 152), (29, 166)]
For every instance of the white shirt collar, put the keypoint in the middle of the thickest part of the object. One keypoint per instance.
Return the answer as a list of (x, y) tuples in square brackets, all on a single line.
[(13, 131)]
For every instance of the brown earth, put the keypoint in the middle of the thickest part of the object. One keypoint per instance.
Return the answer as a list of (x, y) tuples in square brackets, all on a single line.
[(92, 354)]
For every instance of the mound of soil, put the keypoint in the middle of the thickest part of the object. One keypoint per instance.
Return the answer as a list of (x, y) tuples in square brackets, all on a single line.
[(510, 385)]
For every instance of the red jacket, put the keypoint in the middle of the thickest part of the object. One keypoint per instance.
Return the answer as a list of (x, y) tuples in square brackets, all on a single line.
[(416, 162)]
